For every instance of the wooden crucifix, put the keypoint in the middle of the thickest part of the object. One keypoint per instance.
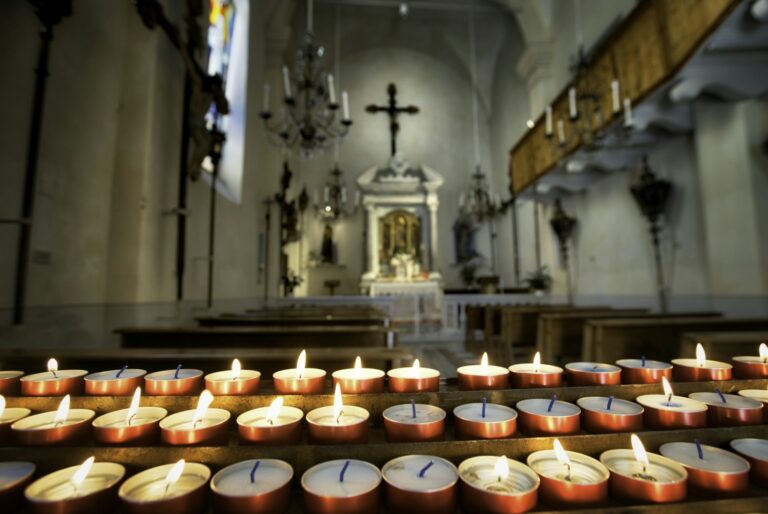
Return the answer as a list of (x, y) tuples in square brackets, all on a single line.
[(393, 111)]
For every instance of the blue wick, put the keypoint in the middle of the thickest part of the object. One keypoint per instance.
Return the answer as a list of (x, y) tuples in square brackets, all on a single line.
[(413, 408), (343, 471), (121, 371), (253, 471), (698, 449), (643, 359), (721, 395), (610, 401), (178, 368), (552, 403), (425, 468), (483, 411)]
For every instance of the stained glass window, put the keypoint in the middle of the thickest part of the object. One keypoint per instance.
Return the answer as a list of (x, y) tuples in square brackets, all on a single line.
[(221, 27)]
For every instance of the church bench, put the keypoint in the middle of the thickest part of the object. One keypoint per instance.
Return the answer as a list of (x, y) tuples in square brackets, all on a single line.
[(487, 319), (250, 320), (723, 345), (606, 340)]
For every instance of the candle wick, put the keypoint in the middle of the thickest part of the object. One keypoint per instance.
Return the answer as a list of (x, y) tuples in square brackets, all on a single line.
[(425, 468), (669, 400), (54, 373), (338, 418), (130, 419), (167, 486), (484, 404), (551, 403), (568, 472), (178, 368), (343, 471), (120, 372), (253, 471), (269, 420)]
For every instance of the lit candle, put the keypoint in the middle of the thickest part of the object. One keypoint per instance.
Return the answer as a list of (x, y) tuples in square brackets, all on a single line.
[(548, 121), (420, 483), (414, 379), (174, 382), (700, 369), (260, 486), (8, 416), (414, 422), (89, 487), (482, 376), (756, 453), (345, 104), (497, 484), (760, 395), (601, 415), (236, 381), (54, 382), (275, 424), (359, 379), (711, 471), (14, 478), (615, 97), (561, 132), (338, 423), (647, 477), (572, 109), (9, 382), (338, 486), (484, 421), (135, 425), (535, 374), (540, 416), (300, 380), (287, 83), (751, 366), (266, 98), (64, 426), (629, 120), (331, 90), (726, 410), (666, 411), (569, 479), (178, 487), (116, 382), (592, 373), (643, 371), (200, 426)]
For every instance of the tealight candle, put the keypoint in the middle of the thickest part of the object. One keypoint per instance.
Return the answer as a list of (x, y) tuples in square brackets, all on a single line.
[(420, 483), (414, 379), (235, 382), (497, 484), (171, 489), (711, 471), (10, 383), (338, 423), (54, 382), (756, 453), (414, 422), (14, 478), (760, 395), (569, 479), (300, 380), (726, 410), (359, 379), (202, 426), (646, 477), (8, 416), (484, 421), (275, 424), (601, 415), (482, 376), (136, 425), (64, 426), (643, 371), (535, 374), (260, 486), (89, 487), (592, 373), (666, 411), (117, 382), (700, 369), (750, 366), (173, 382), (341, 486), (539, 416)]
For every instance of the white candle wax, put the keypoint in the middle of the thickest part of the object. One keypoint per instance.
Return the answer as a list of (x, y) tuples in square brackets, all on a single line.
[(760, 395), (592, 367), (11, 473), (48, 376), (615, 97), (112, 374), (494, 412), (540, 406), (235, 480), (548, 120), (529, 367), (659, 469), (350, 415), (560, 131), (752, 447), (747, 359), (46, 420), (150, 485), (404, 413), (708, 364), (323, 479), (583, 469), (286, 82), (600, 404), (6, 375), (358, 374), (413, 373), (58, 485), (226, 376), (11, 414), (480, 472), (629, 120), (487, 371), (184, 420), (118, 418), (676, 403), (714, 459), (404, 473), (258, 417), (345, 104), (331, 90), (572, 109), (638, 363), (170, 374), (294, 374), (731, 400)]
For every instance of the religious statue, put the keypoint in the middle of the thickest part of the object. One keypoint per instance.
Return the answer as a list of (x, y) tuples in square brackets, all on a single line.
[(326, 251)]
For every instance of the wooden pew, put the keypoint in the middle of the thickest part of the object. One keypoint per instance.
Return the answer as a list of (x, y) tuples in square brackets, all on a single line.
[(277, 320), (606, 340), (722, 345)]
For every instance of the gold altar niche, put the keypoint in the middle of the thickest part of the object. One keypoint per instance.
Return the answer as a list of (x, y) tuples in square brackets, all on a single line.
[(400, 236)]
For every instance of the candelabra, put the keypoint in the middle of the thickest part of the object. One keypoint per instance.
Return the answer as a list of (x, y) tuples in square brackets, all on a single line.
[(335, 205), (563, 226)]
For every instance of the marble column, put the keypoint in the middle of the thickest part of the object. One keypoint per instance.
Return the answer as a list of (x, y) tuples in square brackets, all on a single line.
[(373, 241)]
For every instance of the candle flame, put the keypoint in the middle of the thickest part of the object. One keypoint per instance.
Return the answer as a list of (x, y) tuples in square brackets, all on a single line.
[(358, 366), (338, 406), (53, 365), (763, 352), (501, 468), (301, 363), (639, 449), (134, 408), (415, 369), (205, 400), (701, 357), (667, 388), (536, 362), (236, 369), (560, 454), (82, 472), (174, 473), (274, 409), (484, 364), (2, 405), (63, 411)]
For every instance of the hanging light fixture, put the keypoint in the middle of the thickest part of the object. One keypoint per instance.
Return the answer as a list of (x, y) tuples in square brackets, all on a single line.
[(335, 204), (309, 118)]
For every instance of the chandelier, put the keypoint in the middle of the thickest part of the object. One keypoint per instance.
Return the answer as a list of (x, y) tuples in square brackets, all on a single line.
[(478, 201), (309, 117), (335, 204)]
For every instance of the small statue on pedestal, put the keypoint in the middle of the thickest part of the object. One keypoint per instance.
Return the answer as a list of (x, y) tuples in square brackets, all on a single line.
[(327, 250)]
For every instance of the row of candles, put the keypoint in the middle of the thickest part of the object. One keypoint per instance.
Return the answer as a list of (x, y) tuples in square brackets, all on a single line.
[(413, 483), (304, 380)]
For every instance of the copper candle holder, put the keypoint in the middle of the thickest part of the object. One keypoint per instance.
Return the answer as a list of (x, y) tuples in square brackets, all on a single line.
[(414, 379), (151, 491), (177, 429), (486, 491), (49, 383), (711, 471), (569, 479), (10, 383), (667, 412), (143, 428), (725, 410), (289, 381), (700, 369), (524, 376), (359, 380), (480, 377), (761, 395), (254, 486), (541, 417), (420, 484), (117, 382), (95, 494), (484, 421), (642, 371), (325, 491), (9, 416), (351, 426), (601, 415), (236, 382), (410, 423), (630, 482), (257, 426), (174, 382), (592, 373), (756, 453), (748, 366), (16, 476), (44, 429)]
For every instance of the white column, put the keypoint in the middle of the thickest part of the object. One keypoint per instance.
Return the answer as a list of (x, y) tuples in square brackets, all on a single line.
[(373, 241), (432, 204)]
